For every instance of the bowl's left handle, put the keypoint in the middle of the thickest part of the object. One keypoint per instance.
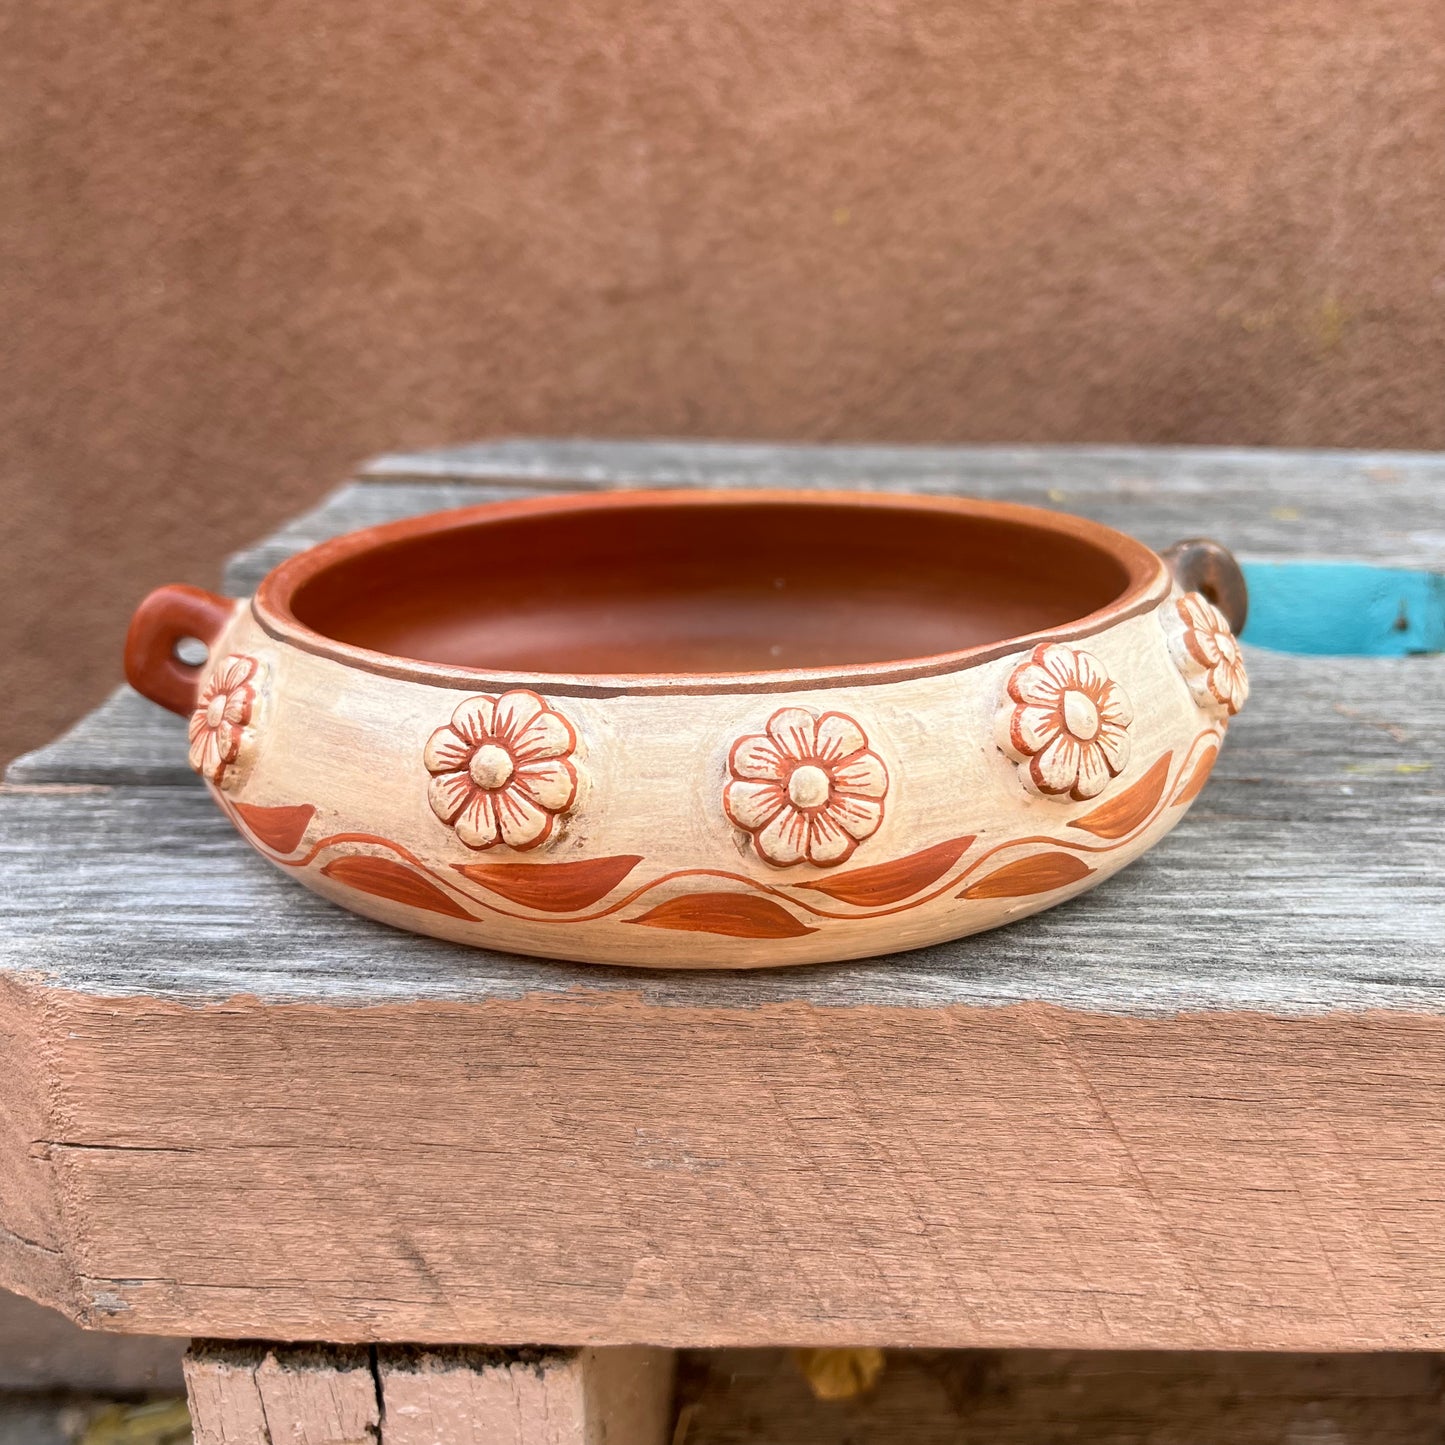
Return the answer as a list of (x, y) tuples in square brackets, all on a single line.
[(167, 617)]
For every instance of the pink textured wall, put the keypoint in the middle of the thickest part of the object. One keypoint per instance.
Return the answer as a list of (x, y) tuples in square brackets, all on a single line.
[(244, 243)]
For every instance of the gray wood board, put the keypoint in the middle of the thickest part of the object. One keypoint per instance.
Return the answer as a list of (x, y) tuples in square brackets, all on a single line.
[(1307, 877), (1385, 507)]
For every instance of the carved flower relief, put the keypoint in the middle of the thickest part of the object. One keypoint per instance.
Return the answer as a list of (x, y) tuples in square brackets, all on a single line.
[(1206, 651), (219, 727), (807, 789), (502, 770), (1065, 723)]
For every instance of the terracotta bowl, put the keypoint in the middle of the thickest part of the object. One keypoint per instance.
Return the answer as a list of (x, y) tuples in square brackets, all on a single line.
[(708, 729)]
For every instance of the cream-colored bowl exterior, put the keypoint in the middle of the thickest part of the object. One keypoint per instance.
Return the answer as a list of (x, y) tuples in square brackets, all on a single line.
[(645, 867)]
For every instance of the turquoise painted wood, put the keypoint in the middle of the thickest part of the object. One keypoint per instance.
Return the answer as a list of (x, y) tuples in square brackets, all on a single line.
[(1344, 609)]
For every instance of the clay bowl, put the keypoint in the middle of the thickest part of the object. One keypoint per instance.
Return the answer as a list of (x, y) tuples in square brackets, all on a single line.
[(708, 729)]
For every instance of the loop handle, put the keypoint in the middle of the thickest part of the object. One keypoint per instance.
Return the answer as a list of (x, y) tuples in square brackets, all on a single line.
[(1200, 565), (167, 616)]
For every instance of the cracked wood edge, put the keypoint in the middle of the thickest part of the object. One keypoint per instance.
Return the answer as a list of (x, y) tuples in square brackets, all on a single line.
[(33, 1232), (259, 1394), (591, 1170)]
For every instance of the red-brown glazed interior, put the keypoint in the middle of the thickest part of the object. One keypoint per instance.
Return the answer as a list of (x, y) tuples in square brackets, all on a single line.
[(704, 583)]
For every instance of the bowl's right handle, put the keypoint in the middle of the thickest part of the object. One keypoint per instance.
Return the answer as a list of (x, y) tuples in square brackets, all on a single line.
[(166, 617), (1200, 565)]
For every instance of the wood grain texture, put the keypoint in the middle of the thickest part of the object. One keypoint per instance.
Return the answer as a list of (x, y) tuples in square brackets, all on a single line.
[(1385, 507), (1325, 816), (758, 1397), (259, 1394), (620, 1396), (281, 1395), (589, 1168), (1201, 1107)]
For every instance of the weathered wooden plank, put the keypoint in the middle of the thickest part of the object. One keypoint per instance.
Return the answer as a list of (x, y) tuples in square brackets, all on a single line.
[(253, 1394), (591, 1168), (257, 1394), (1385, 507), (620, 1396), (1187, 1130), (736, 1397), (1323, 825), (225, 1400), (126, 740)]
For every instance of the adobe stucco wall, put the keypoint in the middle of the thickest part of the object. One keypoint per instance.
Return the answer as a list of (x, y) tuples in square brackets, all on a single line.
[(243, 243)]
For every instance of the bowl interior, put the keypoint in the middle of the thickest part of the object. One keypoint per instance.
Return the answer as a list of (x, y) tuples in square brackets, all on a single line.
[(678, 585)]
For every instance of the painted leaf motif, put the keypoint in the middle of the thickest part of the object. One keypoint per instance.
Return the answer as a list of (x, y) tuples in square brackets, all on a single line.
[(553, 887), (383, 878), (1041, 873), (883, 883), (737, 915), (1124, 813), (280, 829), (1198, 777)]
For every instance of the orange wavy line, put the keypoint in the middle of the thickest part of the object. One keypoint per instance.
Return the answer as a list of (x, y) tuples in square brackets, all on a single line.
[(374, 840)]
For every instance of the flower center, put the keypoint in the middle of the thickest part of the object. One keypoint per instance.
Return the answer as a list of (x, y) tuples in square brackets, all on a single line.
[(491, 766), (1081, 715), (808, 786), (216, 710)]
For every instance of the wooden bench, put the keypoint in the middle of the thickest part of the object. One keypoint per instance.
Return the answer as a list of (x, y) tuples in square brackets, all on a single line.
[(1201, 1108)]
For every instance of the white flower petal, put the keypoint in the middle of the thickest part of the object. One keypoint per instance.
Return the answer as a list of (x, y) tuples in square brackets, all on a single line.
[(838, 736), (514, 711), (196, 755), (756, 756), (785, 839), (753, 805), (523, 823), (1056, 769), (474, 717), (1203, 646), (1115, 744), (448, 794), (827, 842), (1060, 662), (858, 817), (1192, 608), (1033, 727), (1035, 684), (234, 671), (446, 751), (546, 735), (795, 732), (1115, 707), (238, 705), (476, 824), (1229, 684), (865, 776), (1090, 675), (1093, 772), (214, 755), (551, 783)]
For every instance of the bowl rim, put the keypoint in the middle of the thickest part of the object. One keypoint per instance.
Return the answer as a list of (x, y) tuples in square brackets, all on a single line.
[(1149, 583)]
